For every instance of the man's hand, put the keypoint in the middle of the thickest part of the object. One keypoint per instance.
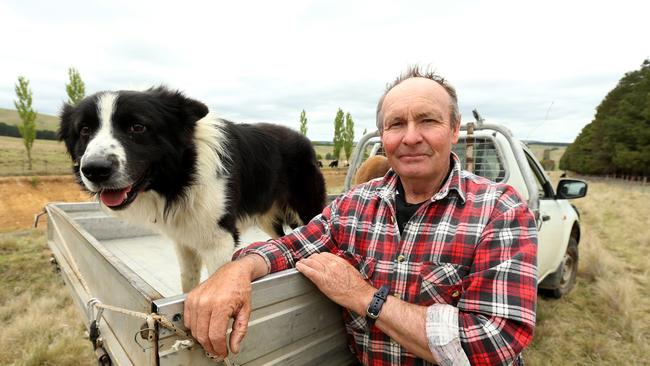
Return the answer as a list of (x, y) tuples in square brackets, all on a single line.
[(338, 280), (226, 294)]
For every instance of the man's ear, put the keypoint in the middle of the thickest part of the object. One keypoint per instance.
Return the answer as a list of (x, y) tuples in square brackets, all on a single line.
[(456, 131)]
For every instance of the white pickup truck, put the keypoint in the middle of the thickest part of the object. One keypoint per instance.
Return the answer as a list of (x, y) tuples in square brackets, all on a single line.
[(125, 278)]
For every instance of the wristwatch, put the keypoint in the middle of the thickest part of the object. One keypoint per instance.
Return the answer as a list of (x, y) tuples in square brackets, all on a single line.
[(374, 308)]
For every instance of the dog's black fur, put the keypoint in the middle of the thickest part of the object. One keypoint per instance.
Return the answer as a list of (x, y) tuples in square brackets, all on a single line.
[(153, 147)]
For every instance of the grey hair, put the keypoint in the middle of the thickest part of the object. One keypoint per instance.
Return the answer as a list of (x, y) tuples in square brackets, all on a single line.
[(417, 71)]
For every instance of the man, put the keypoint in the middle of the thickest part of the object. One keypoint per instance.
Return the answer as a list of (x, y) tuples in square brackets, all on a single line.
[(456, 252)]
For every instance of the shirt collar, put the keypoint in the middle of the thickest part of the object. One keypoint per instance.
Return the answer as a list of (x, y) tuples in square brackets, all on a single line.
[(453, 182)]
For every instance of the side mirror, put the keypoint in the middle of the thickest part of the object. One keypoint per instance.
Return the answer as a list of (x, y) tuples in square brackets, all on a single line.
[(570, 189)]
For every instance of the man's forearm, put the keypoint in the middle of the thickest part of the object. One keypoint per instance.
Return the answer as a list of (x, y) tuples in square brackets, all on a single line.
[(402, 321), (256, 264), (405, 324)]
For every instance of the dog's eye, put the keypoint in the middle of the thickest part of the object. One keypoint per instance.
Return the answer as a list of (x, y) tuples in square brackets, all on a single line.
[(137, 128), (85, 131)]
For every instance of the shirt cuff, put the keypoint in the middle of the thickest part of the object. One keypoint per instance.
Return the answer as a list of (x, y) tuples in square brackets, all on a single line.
[(275, 258), (443, 335)]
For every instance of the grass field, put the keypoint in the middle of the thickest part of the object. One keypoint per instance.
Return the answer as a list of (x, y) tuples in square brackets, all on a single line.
[(604, 321), (43, 121), (39, 324), (48, 158)]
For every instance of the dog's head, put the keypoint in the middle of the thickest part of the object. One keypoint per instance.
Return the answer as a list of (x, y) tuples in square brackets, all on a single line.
[(120, 141)]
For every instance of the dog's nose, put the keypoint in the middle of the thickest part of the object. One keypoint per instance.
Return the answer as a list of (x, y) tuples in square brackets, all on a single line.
[(98, 170)]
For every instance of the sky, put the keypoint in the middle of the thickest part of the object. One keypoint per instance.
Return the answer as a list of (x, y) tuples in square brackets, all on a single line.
[(538, 67)]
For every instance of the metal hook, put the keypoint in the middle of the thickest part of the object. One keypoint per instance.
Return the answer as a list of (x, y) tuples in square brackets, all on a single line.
[(90, 306), (38, 216), (135, 338)]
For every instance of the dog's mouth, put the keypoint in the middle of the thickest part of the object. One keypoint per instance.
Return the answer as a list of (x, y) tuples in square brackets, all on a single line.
[(120, 198), (117, 198)]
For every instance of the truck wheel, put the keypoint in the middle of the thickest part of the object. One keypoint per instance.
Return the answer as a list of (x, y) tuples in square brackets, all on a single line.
[(568, 270)]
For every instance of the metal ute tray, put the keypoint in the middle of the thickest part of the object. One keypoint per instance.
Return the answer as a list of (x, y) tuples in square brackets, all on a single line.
[(136, 269)]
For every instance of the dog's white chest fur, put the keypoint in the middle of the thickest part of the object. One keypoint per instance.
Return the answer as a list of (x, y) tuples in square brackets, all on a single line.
[(192, 221)]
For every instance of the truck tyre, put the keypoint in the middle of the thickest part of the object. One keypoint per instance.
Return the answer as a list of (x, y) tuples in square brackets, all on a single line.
[(568, 270)]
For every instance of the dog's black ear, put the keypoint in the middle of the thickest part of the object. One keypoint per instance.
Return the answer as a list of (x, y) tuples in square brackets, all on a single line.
[(189, 110), (66, 127), (193, 110), (66, 123)]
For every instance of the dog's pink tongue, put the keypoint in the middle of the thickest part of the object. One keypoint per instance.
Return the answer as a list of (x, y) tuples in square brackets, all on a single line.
[(114, 197)]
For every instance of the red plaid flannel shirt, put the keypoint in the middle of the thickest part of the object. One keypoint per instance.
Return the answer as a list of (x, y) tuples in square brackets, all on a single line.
[(473, 245)]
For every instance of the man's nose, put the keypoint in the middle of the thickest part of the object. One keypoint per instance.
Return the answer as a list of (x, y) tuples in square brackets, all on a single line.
[(412, 134)]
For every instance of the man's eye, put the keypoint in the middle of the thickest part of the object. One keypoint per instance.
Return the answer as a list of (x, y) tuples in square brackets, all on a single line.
[(137, 128), (85, 131)]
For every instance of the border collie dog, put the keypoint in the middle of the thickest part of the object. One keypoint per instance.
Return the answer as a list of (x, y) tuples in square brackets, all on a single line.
[(161, 159)]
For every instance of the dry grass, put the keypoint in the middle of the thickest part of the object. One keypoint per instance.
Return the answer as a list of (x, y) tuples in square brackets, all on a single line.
[(39, 324), (606, 319), (48, 157)]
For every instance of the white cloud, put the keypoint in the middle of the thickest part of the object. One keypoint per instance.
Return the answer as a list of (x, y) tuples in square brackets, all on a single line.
[(258, 60)]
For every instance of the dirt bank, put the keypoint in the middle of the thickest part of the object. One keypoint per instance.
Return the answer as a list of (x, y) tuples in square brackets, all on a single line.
[(22, 197)]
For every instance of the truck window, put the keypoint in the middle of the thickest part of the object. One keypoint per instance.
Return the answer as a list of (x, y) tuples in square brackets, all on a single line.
[(487, 158), (544, 188)]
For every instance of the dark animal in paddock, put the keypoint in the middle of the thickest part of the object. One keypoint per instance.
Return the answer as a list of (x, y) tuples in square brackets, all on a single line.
[(334, 164)]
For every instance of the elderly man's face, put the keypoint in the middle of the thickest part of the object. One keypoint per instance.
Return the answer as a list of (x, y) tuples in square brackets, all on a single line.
[(417, 134)]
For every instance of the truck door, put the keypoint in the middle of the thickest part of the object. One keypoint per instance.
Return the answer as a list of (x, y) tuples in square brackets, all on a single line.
[(551, 244)]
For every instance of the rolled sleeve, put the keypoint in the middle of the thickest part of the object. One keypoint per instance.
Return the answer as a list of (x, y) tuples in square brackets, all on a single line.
[(284, 252), (276, 257), (443, 335)]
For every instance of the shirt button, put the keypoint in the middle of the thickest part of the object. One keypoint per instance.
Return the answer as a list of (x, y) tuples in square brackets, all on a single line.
[(400, 258), (455, 294)]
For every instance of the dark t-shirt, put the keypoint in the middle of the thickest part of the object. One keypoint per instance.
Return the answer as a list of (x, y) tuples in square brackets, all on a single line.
[(404, 210)]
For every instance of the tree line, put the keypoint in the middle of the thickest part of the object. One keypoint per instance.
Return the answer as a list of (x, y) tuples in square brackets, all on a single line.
[(76, 90), (12, 131), (617, 141)]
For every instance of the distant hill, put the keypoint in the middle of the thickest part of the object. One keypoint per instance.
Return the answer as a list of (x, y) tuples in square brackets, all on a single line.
[(43, 121)]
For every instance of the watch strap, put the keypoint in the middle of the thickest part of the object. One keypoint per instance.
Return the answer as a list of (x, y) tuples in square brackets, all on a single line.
[(378, 299)]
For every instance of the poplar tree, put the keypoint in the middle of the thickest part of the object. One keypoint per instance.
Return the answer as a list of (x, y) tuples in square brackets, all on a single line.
[(348, 136), (303, 122), (76, 89), (338, 134), (27, 115)]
